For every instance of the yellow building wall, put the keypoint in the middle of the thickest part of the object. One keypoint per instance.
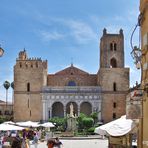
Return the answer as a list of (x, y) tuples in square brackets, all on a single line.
[(144, 43)]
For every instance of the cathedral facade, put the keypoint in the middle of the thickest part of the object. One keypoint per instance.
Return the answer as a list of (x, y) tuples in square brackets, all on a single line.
[(40, 96)]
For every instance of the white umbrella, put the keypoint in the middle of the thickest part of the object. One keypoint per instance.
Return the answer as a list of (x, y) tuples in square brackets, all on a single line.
[(9, 122), (28, 124), (117, 127), (47, 124), (9, 127)]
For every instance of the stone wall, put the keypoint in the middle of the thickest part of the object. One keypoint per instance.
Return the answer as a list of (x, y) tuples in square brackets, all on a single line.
[(81, 80)]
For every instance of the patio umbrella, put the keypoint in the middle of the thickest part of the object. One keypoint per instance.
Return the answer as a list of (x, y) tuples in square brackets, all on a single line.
[(47, 124), (28, 124), (9, 127)]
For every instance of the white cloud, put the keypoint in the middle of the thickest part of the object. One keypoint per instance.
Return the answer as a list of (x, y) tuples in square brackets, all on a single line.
[(48, 36), (81, 31)]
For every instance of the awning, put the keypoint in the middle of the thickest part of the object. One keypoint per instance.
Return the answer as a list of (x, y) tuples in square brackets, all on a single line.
[(118, 127)]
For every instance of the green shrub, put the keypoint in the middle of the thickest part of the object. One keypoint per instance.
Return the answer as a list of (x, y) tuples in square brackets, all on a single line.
[(59, 122), (91, 131), (87, 122)]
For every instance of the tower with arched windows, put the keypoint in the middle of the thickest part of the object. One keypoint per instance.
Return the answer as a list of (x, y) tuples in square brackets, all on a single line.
[(112, 50), (113, 76)]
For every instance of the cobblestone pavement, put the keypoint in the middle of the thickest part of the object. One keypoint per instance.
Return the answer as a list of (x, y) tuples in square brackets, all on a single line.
[(89, 143)]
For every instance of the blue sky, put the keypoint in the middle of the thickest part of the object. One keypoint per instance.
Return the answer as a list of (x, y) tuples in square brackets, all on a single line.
[(63, 31)]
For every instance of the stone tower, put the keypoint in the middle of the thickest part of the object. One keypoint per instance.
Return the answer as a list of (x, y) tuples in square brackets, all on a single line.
[(112, 50), (113, 77), (30, 75)]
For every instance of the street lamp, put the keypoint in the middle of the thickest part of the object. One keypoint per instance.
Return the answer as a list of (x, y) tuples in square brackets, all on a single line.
[(136, 55), (1, 51)]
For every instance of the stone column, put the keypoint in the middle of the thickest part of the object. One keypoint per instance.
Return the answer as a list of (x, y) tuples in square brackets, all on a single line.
[(78, 109), (65, 111), (44, 109), (99, 109), (50, 111)]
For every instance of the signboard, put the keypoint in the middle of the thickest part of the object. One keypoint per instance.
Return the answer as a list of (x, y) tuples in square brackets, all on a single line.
[(136, 95)]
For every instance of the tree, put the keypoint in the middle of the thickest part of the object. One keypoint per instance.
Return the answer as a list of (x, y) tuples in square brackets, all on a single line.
[(6, 86), (12, 85), (94, 115), (79, 120)]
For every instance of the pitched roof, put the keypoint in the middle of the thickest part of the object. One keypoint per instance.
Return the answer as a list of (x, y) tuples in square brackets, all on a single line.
[(72, 70)]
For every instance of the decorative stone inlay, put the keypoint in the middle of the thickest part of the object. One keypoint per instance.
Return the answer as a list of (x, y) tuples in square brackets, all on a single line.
[(52, 97), (62, 97), (57, 97)]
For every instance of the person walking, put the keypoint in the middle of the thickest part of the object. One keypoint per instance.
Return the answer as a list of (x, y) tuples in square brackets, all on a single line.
[(58, 143), (35, 140), (50, 143), (24, 143)]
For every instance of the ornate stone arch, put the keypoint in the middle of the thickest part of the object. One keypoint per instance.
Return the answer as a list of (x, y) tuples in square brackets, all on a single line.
[(57, 109), (86, 108)]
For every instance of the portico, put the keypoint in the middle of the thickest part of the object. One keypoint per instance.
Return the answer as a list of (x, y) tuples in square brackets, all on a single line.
[(56, 100)]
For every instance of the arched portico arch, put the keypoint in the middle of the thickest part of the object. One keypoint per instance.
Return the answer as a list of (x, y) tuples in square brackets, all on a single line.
[(57, 109), (86, 108)]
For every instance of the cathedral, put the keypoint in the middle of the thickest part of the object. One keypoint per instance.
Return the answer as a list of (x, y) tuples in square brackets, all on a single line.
[(39, 96)]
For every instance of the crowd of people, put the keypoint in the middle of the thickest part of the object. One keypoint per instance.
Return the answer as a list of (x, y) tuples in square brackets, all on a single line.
[(26, 138)]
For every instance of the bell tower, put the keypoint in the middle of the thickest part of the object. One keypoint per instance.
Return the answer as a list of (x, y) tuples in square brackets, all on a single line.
[(113, 77), (112, 50)]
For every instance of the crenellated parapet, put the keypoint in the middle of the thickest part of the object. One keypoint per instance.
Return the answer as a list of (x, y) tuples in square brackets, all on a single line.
[(24, 62)]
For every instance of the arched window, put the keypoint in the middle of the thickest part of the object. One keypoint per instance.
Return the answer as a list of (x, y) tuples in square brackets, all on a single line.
[(113, 63), (71, 83), (28, 87), (114, 105), (114, 87), (111, 46), (115, 46), (20, 65)]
